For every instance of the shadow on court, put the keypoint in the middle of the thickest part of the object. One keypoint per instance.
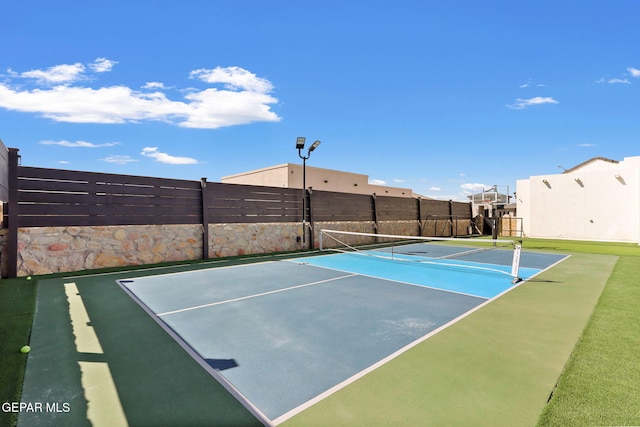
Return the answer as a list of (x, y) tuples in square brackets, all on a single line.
[(222, 364), (98, 359)]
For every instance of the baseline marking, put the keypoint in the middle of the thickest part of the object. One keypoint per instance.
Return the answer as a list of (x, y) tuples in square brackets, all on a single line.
[(255, 295), (402, 282)]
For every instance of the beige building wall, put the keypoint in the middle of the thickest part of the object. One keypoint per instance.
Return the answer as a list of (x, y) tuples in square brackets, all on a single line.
[(597, 200), (289, 175), (273, 176)]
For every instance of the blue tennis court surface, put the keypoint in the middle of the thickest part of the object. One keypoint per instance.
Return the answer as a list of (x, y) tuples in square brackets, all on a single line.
[(281, 335)]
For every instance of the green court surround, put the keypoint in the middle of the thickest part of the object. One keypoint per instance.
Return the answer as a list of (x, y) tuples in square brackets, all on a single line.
[(495, 367)]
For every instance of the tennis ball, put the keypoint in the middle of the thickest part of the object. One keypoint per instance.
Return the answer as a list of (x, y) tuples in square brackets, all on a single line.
[(28, 277), (25, 349)]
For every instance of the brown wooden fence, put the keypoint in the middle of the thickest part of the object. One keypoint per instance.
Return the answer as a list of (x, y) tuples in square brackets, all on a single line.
[(40, 197)]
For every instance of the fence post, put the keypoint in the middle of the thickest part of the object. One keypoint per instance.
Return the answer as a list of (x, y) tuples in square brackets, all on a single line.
[(205, 219), (451, 233), (310, 210), (12, 238), (375, 213), (420, 222)]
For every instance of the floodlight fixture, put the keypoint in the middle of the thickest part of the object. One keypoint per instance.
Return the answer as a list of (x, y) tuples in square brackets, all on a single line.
[(305, 194), (314, 146)]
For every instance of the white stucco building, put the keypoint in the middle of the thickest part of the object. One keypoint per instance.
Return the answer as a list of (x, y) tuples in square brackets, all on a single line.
[(597, 200)]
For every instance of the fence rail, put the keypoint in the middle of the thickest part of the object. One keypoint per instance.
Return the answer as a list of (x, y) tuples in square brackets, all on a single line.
[(58, 198), (234, 203), (41, 197)]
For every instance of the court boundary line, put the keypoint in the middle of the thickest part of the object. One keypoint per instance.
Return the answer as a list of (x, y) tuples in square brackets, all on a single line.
[(392, 280), (275, 291), (358, 375), (197, 263), (253, 409), (199, 270), (226, 384)]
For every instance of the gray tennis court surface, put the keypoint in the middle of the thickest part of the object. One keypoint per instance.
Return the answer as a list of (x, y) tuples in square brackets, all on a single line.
[(281, 335)]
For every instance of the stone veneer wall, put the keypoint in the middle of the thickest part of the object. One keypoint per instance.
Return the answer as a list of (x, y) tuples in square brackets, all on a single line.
[(45, 250), (247, 238), (399, 228)]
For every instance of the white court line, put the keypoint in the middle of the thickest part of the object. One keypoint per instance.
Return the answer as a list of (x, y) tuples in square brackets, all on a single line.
[(358, 375), (254, 295), (402, 282)]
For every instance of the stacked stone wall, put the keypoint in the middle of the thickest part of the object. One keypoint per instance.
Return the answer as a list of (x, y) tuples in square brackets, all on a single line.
[(400, 228), (353, 226), (244, 239), (45, 250)]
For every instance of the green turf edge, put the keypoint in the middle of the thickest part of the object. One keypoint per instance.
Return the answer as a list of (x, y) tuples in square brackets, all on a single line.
[(601, 382), (17, 304), (17, 308), (572, 246), (494, 367), (158, 383), (11, 383)]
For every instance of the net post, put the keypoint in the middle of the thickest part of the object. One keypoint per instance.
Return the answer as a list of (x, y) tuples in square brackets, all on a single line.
[(515, 266), (320, 240)]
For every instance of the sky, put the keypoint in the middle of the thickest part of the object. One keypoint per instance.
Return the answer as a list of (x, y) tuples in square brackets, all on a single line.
[(444, 97)]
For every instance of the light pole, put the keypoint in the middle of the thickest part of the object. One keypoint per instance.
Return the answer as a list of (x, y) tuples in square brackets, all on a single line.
[(300, 145)]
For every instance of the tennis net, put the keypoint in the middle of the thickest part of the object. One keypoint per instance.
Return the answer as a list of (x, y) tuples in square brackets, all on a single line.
[(499, 256)]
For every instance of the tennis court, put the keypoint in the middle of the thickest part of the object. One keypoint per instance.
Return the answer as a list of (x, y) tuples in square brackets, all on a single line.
[(280, 336)]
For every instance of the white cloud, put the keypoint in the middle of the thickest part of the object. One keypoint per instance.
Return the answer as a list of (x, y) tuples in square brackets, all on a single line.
[(587, 145), (214, 108), (154, 85), (244, 99), (530, 84), (435, 189), (613, 80), (377, 182), (634, 72), (234, 78), (65, 73), (116, 104), (84, 144), (538, 100), (472, 187), (167, 158), (102, 65), (119, 160), (398, 181)]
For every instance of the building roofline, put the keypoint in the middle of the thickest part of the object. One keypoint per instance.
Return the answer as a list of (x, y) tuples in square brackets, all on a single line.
[(282, 165), (604, 159)]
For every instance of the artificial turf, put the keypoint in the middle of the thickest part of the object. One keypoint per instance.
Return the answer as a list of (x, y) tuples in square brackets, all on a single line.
[(17, 304), (601, 382)]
